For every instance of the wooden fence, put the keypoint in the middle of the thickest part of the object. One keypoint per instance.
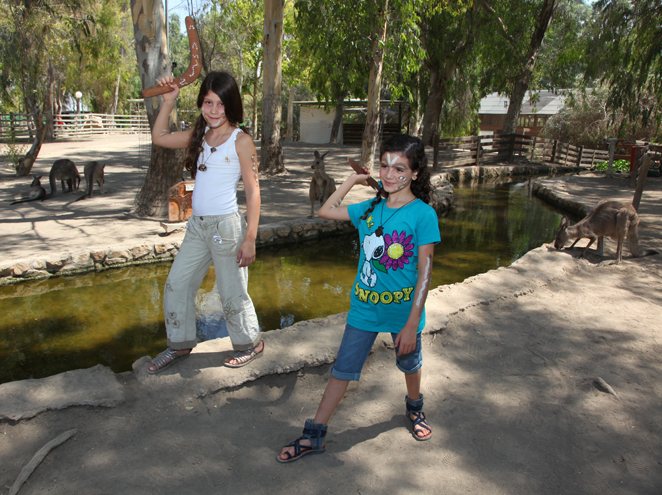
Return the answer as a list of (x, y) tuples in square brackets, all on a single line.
[(449, 152), (477, 150), (21, 128)]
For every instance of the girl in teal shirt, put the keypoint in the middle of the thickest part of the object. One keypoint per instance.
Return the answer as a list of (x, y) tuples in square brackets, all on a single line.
[(397, 235)]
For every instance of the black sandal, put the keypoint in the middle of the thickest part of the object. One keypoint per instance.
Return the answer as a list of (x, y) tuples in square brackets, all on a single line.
[(416, 417), (315, 432)]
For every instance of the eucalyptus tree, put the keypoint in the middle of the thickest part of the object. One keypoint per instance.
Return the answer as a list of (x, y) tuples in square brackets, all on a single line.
[(100, 65), (561, 62), (165, 167), (271, 148), (625, 53), (448, 36), (34, 51), (511, 43), (333, 46), (346, 45)]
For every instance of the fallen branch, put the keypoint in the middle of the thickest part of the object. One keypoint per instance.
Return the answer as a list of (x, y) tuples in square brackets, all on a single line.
[(41, 454)]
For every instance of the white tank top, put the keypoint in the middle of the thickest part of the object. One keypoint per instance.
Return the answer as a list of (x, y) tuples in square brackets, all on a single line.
[(215, 191)]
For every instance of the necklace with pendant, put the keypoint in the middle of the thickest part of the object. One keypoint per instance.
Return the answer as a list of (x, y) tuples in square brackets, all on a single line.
[(203, 166), (380, 230)]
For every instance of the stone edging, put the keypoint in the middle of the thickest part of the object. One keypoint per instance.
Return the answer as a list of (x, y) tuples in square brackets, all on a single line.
[(115, 257), (272, 234)]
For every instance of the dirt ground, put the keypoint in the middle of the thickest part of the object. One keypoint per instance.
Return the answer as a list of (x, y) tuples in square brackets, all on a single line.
[(515, 366)]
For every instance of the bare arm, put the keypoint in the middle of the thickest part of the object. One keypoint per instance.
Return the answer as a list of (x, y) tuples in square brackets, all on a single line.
[(406, 339), (161, 134), (332, 209), (249, 175)]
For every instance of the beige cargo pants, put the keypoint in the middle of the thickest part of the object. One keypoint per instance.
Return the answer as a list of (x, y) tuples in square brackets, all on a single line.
[(212, 239)]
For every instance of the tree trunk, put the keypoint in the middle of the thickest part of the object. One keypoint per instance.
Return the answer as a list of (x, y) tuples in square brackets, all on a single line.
[(433, 106), (166, 166), (289, 132), (337, 119), (272, 151), (522, 83), (116, 96), (254, 122), (371, 129), (42, 115)]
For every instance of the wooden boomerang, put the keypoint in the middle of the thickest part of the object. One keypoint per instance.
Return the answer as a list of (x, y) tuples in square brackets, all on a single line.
[(371, 182), (194, 66)]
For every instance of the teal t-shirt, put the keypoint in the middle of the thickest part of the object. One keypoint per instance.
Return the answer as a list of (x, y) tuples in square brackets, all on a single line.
[(383, 291)]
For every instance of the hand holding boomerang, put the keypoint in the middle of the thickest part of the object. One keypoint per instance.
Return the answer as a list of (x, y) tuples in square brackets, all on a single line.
[(371, 182), (194, 66)]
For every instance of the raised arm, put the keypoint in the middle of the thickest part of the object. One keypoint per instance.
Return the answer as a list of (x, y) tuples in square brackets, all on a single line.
[(332, 209), (161, 134)]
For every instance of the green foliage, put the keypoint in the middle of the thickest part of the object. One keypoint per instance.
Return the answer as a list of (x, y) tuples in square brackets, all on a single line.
[(561, 61), (625, 52), (13, 150), (334, 44), (621, 166), (102, 57)]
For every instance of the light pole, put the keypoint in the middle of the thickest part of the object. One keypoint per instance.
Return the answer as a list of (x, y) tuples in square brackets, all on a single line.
[(78, 96)]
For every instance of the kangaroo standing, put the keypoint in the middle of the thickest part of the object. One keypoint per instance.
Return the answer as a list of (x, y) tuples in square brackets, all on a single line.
[(609, 218), (93, 172), (322, 184), (36, 191), (65, 171)]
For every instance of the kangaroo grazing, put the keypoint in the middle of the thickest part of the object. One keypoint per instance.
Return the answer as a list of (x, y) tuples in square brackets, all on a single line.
[(322, 184), (66, 172), (609, 218), (36, 191)]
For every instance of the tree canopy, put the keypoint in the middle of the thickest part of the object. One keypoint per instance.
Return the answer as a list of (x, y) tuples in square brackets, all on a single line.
[(437, 58)]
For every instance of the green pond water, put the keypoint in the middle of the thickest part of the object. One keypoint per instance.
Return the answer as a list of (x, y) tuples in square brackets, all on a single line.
[(114, 317)]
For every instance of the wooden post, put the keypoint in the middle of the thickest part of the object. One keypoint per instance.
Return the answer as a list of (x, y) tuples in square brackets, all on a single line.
[(642, 175), (612, 150), (479, 147), (580, 155), (553, 156), (533, 147), (435, 149)]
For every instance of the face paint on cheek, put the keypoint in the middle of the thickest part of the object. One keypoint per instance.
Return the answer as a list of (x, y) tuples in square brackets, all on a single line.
[(402, 178)]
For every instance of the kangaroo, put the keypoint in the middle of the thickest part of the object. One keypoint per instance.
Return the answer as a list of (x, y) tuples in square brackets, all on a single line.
[(609, 218), (36, 191), (66, 172), (93, 172), (322, 184)]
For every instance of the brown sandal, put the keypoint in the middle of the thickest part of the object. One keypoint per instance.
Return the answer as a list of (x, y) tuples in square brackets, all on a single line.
[(165, 359), (242, 358)]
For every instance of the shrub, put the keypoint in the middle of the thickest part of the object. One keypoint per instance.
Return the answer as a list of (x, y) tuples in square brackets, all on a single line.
[(622, 166)]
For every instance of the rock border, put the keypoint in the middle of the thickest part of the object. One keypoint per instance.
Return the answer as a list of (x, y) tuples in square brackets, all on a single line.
[(273, 234)]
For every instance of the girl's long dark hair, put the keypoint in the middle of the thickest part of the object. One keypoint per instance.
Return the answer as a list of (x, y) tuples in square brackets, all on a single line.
[(225, 87), (413, 148)]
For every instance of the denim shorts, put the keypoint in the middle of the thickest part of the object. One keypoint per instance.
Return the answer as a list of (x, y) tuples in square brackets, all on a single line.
[(354, 350)]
